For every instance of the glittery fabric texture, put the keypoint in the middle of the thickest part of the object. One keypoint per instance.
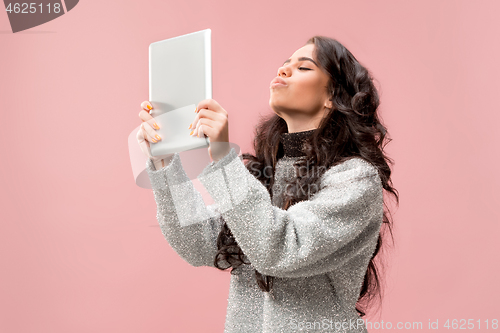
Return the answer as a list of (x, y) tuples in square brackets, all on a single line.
[(318, 250), (293, 142)]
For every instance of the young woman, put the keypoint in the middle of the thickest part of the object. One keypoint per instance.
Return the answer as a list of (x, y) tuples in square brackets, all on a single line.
[(301, 222)]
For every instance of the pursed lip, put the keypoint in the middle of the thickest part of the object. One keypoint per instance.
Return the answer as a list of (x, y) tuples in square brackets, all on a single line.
[(278, 80)]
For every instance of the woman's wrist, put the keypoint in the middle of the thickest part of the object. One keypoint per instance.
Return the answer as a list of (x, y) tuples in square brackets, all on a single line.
[(163, 162), (158, 164), (218, 150)]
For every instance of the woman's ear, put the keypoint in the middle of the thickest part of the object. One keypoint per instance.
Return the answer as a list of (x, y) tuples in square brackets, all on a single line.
[(328, 103)]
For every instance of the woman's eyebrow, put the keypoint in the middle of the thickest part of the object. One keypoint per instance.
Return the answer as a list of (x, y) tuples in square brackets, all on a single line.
[(301, 59)]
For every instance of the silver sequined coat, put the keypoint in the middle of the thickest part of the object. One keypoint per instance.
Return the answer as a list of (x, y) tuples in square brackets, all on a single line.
[(318, 250)]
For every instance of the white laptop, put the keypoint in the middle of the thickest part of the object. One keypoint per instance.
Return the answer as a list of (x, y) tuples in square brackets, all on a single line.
[(180, 76)]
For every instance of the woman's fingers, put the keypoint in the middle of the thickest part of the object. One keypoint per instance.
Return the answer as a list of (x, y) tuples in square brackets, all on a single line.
[(203, 113), (214, 121), (209, 108), (195, 123), (146, 105), (206, 114), (146, 117), (149, 133), (211, 104), (143, 143), (204, 126)]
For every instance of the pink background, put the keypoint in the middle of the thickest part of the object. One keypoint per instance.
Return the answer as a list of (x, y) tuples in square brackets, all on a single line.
[(80, 247)]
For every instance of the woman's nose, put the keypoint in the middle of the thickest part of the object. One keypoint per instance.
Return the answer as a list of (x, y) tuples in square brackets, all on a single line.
[(283, 71)]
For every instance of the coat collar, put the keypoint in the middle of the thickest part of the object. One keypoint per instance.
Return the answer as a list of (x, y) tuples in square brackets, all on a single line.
[(292, 142)]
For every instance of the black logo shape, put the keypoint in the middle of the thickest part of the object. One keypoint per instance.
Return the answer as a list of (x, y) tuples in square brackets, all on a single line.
[(26, 15)]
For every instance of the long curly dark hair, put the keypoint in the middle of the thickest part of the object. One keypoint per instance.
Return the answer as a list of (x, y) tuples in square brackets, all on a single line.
[(351, 128)]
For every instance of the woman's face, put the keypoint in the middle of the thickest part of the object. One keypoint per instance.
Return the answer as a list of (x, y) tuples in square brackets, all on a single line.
[(304, 96)]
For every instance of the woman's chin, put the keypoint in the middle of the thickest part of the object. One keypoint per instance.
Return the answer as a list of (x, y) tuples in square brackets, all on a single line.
[(275, 102)]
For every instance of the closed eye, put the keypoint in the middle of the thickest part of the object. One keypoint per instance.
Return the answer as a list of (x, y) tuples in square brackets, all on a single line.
[(304, 68)]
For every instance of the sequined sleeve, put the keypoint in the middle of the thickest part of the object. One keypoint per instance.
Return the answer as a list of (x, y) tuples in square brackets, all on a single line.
[(312, 237), (190, 227)]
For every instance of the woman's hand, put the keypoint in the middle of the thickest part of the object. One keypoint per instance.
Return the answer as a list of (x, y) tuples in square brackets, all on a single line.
[(148, 134), (212, 120)]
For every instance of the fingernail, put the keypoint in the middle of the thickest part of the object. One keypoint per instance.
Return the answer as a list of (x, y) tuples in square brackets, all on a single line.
[(148, 106), (191, 132), (156, 126), (157, 137), (195, 109), (190, 126)]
